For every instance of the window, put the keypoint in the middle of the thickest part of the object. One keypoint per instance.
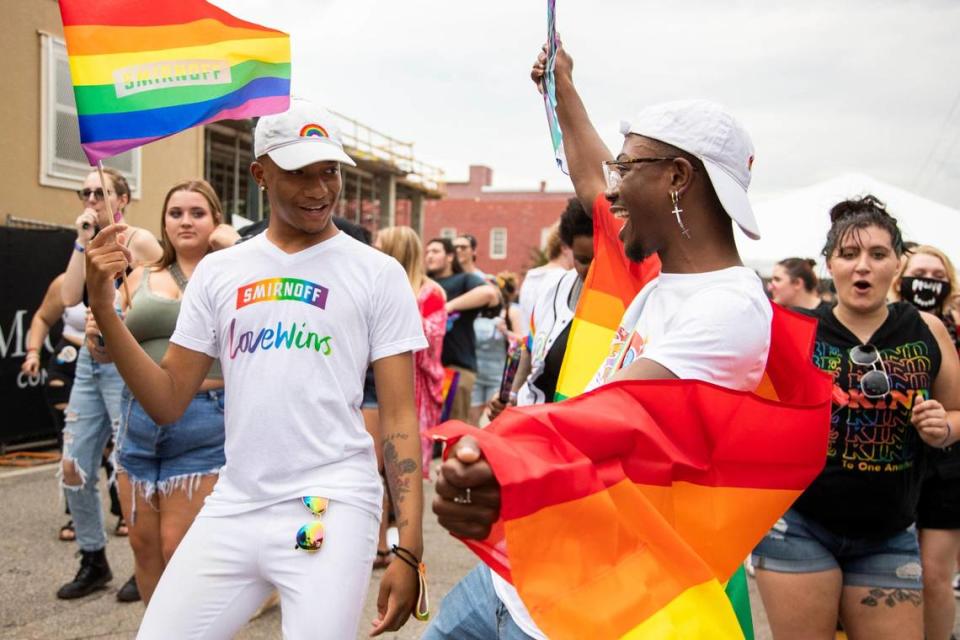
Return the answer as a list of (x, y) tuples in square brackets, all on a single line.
[(498, 243), (62, 161), (229, 152), (448, 232)]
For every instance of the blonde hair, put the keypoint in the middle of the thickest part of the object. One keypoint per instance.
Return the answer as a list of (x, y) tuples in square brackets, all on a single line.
[(403, 244), (554, 245), (926, 249)]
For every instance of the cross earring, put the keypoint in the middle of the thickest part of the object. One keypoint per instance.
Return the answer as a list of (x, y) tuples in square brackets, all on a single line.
[(675, 197)]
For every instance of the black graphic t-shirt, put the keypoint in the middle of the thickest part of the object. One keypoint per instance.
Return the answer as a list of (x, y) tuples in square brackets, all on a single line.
[(875, 458)]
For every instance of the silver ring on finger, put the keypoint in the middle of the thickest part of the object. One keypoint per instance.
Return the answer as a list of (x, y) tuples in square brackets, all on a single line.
[(463, 498)]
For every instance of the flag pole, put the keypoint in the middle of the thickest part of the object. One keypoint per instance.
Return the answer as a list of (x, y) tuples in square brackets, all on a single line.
[(115, 217)]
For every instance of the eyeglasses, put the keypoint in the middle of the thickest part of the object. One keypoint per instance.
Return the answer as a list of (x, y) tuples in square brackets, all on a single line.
[(615, 170), (310, 535), (84, 194), (874, 384)]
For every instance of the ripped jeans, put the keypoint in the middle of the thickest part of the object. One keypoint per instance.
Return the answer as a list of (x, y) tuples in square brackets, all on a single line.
[(171, 457), (91, 417)]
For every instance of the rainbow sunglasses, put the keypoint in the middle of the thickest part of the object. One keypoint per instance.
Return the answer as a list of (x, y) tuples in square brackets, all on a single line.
[(310, 535)]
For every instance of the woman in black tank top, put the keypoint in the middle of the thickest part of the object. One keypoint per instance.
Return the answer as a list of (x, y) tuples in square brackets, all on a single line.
[(847, 547), (926, 280)]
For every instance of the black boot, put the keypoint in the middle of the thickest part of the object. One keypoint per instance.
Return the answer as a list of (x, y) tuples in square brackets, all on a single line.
[(129, 591), (94, 573)]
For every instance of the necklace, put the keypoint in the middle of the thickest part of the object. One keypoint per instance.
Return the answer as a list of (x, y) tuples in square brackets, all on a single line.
[(177, 274)]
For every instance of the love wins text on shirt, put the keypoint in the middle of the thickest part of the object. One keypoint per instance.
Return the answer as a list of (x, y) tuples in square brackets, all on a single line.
[(294, 337)]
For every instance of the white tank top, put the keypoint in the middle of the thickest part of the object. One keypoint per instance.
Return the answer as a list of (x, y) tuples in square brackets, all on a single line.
[(74, 321)]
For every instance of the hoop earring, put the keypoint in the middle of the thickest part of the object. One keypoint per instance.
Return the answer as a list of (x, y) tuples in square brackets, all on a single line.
[(675, 198)]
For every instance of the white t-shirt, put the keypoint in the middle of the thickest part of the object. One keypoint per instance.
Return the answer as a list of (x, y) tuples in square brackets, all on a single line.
[(711, 326), (537, 280), (294, 334), (551, 315)]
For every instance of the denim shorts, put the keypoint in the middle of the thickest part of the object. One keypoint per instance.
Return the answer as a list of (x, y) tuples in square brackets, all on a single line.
[(483, 393), (797, 544), (164, 458)]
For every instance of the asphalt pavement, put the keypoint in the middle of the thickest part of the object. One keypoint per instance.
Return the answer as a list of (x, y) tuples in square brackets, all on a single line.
[(34, 563)]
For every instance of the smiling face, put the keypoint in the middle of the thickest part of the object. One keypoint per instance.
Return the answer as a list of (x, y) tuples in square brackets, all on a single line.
[(303, 199), (783, 290), (188, 221), (863, 266), (642, 194)]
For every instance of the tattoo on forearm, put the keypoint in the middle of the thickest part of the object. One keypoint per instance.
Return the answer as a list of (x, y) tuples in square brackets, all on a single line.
[(893, 597), (401, 474)]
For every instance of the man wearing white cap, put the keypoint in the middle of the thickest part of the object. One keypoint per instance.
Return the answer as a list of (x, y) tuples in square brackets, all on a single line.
[(295, 316), (678, 183)]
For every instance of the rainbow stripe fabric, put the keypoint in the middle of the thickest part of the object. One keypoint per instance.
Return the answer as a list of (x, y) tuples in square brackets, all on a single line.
[(146, 70), (610, 287), (643, 498), (625, 510)]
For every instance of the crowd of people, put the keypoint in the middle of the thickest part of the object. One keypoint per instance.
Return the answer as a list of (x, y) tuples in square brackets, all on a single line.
[(281, 381)]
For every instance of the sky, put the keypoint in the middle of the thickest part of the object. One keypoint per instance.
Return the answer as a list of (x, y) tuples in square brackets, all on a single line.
[(823, 87)]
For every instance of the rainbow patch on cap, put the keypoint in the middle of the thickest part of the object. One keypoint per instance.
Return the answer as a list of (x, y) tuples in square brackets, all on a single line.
[(314, 131)]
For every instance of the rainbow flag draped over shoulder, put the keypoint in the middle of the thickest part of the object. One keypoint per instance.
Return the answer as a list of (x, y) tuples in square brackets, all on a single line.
[(611, 284), (625, 510), (144, 70)]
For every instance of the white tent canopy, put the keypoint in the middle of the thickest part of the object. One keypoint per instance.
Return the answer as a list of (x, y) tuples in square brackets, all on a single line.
[(796, 223)]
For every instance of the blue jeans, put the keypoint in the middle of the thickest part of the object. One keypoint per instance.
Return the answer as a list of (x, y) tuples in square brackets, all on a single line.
[(91, 418), (171, 457), (798, 544), (472, 611)]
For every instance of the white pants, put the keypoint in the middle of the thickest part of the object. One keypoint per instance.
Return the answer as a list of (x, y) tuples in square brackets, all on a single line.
[(226, 566)]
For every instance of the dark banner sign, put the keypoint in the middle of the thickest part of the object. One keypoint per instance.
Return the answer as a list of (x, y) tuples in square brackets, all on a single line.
[(29, 260)]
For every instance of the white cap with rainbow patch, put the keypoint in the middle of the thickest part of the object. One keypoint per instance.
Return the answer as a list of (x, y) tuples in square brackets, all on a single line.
[(302, 135)]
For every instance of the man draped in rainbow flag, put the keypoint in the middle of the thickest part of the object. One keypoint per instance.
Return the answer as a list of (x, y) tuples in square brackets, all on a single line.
[(621, 513)]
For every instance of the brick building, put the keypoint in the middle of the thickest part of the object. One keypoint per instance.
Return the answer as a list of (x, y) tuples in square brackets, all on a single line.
[(508, 225)]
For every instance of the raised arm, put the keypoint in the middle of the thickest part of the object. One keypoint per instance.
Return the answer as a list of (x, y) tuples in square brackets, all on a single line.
[(71, 289), (582, 144), (164, 390), (401, 464)]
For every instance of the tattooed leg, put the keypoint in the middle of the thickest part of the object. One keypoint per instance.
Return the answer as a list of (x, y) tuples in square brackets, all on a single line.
[(882, 613)]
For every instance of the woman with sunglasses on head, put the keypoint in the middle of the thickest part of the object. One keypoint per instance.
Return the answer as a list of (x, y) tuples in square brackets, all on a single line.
[(848, 547), (166, 471), (926, 280), (94, 407)]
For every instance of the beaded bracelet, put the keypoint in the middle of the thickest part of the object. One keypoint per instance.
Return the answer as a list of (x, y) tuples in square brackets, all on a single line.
[(422, 609)]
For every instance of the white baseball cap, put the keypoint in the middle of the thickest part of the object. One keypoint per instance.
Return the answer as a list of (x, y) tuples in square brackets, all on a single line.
[(706, 130), (303, 134)]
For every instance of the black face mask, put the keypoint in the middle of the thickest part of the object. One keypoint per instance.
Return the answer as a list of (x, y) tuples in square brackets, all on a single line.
[(925, 294)]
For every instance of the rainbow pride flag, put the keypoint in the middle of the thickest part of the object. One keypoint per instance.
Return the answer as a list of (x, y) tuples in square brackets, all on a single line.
[(626, 509), (611, 284), (146, 70)]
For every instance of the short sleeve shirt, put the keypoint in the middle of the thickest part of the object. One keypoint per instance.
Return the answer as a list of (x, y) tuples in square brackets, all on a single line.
[(294, 334)]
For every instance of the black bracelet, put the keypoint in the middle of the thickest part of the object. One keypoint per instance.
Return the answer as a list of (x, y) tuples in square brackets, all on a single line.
[(407, 556)]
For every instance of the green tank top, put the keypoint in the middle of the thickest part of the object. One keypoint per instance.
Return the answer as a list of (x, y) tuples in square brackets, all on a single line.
[(152, 319)]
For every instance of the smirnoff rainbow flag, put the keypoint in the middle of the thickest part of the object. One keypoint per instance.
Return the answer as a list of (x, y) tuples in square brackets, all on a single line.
[(143, 70)]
